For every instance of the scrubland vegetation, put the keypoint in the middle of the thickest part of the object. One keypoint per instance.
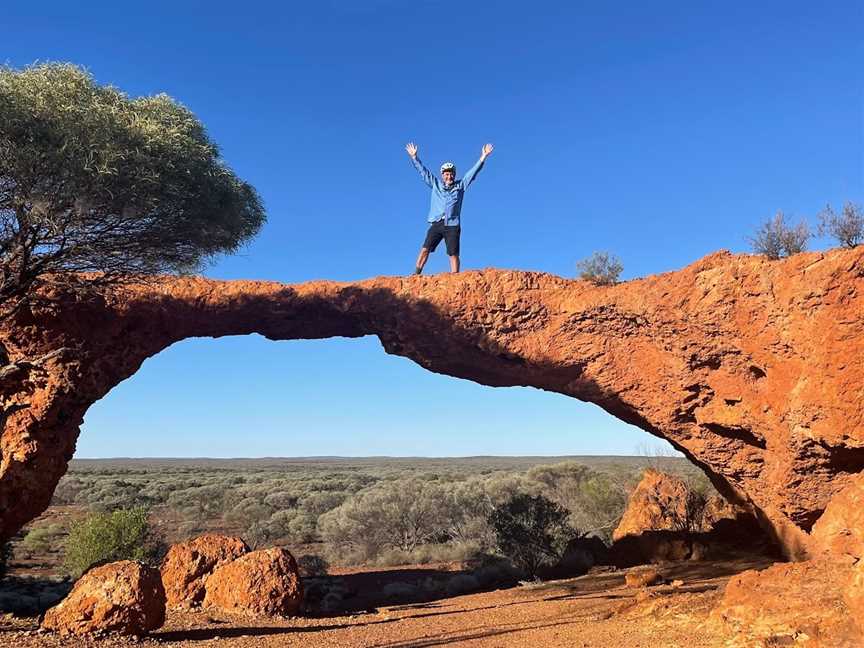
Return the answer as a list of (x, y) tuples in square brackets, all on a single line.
[(344, 512)]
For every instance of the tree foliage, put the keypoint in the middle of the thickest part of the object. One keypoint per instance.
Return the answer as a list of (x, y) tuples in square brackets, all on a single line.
[(531, 531), (847, 226), (601, 268), (123, 534), (93, 181)]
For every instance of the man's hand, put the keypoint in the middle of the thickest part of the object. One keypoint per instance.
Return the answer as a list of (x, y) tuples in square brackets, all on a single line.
[(411, 147), (486, 151)]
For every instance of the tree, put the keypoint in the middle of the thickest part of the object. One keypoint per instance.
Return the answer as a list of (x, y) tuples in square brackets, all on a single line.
[(600, 268), (92, 181), (400, 514), (776, 238), (847, 227), (531, 531), (594, 501)]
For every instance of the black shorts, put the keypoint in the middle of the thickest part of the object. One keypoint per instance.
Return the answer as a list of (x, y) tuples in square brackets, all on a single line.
[(450, 234)]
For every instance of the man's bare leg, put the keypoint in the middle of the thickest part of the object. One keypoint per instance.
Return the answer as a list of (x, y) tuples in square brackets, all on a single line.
[(454, 263), (421, 260)]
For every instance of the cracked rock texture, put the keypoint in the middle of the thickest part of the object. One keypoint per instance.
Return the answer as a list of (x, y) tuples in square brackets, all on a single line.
[(754, 369)]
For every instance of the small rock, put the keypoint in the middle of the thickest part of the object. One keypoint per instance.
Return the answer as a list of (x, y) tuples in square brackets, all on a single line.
[(642, 577)]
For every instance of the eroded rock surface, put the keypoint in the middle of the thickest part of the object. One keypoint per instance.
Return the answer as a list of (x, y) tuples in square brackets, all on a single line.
[(122, 597), (791, 604), (754, 369), (658, 503), (261, 583), (187, 565), (840, 530)]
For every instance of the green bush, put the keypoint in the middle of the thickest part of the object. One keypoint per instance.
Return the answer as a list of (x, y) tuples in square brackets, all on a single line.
[(601, 268), (123, 534), (531, 531)]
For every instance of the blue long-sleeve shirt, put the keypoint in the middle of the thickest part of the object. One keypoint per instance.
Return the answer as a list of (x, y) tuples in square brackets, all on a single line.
[(446, 202)]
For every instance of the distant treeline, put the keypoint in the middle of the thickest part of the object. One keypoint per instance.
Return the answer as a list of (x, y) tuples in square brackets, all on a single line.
[(361, 511)]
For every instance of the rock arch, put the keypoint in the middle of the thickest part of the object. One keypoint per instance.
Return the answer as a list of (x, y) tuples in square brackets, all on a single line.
[(754, 369)]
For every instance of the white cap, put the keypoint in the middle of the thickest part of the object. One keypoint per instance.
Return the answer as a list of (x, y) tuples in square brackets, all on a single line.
[(448, 166)]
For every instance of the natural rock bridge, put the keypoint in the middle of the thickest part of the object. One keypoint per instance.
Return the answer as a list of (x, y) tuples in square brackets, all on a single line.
[(753, 369)]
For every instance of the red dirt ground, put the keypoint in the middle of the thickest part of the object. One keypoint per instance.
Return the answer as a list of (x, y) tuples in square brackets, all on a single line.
[(595, 610)]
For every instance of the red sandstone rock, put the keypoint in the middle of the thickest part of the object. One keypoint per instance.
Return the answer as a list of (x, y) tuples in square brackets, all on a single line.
[(840, 530), (659, 503), (187, 566), (718, 509), (642, 577), (123, 597), (789, 603), (753, 368), (853, 594), (261, 583)]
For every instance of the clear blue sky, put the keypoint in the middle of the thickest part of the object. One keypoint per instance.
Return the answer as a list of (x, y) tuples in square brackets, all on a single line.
[(660, 131)]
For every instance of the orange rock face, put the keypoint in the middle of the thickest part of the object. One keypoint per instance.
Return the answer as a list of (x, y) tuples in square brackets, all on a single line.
[(754, 369), (261, 583), (123, 597), (659, 503), (187, 566), (790, 604), (840, 530), (853, 595)]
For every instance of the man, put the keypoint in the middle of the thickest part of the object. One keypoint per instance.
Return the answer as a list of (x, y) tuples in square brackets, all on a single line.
[(446, 206)]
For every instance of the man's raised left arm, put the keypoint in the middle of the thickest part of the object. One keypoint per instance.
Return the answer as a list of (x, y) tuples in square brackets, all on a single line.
[(469, 176)]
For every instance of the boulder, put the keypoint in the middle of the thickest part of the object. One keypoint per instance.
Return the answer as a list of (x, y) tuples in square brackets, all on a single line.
[(260, 583), (124, 597), (664, 521), (839, 531), (187, 566), (658, 503), (790, 603)]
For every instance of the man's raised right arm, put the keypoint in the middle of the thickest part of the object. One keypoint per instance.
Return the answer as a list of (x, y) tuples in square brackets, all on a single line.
[(427, 176)]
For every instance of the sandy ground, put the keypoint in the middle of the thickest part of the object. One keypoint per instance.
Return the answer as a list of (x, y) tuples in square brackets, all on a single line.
[(590, 611)]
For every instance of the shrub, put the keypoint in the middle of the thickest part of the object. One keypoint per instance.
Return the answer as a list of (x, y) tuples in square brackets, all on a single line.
[(847, 227), (776, 238), (595, 501), (600, 268), (123, 534), (312, 565), (43, 538), (531, 531), (401, 514)]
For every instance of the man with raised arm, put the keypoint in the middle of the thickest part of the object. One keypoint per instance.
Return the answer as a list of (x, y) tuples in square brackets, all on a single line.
[(446, 205)]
